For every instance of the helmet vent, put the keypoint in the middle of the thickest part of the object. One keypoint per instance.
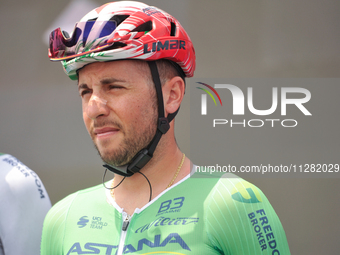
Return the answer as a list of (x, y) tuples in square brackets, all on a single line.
[(147, 26), (173, 29), (119, 18)]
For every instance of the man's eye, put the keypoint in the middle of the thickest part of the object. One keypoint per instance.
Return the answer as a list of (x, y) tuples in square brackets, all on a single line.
[(114, 87), (84, 92)]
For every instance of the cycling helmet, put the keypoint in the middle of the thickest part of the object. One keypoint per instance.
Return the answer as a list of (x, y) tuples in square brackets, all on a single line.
[(123, 30)]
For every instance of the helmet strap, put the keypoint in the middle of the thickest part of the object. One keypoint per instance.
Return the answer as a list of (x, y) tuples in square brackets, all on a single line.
[(144, 155)]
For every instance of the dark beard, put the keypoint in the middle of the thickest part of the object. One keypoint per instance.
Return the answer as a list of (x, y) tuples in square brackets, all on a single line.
[(130, 147), (133, 144)]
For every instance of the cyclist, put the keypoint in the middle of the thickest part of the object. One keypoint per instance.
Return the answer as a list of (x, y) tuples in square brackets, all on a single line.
[(24, 204), (131, 60)]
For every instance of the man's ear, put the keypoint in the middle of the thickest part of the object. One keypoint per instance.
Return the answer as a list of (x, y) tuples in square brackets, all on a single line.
[(173, 93)]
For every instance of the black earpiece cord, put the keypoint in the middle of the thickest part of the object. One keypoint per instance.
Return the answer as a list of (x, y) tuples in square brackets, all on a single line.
[(111, 188)]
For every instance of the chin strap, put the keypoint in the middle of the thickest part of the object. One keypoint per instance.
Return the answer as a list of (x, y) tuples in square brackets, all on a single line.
[(144, 155)]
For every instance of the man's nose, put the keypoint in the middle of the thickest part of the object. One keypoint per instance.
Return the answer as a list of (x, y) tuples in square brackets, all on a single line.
[(96, 107)]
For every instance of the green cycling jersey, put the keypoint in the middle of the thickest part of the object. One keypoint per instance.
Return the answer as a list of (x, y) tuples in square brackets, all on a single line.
[(199, 215)]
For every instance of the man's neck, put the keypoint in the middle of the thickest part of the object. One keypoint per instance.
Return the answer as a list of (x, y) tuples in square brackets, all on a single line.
[(134, 191)]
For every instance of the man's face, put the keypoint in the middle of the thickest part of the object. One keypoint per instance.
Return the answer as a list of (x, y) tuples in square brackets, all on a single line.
[(119, 108)]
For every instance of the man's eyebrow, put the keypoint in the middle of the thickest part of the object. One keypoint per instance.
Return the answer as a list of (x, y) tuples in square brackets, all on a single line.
[(104, 81), (82, 86), (110, 80)]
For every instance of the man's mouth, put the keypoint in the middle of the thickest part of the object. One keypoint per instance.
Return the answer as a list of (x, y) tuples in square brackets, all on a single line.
[(105, 132)]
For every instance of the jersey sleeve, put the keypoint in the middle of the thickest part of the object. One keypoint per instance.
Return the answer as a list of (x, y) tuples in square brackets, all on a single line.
[(24, 204), (240, 220), (54, 227)]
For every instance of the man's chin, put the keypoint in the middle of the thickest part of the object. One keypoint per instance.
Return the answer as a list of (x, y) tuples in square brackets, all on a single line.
[(115, 163), (114, 158)]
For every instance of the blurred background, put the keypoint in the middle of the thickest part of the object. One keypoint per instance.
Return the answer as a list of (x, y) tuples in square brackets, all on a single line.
[(40, 110)]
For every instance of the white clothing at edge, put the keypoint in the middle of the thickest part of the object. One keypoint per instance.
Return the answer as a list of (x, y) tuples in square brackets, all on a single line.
[(24, 204)]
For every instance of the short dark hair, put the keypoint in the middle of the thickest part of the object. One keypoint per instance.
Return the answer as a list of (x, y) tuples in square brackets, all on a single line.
[(167, 69)]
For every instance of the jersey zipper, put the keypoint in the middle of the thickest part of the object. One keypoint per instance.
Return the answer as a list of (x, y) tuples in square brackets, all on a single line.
[(126, 222)]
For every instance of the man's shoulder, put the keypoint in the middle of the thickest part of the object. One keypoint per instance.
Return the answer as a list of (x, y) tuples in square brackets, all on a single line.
[(17, 182), (215, 179), (227, 185), (64, 211), (230, 193), (7, 162), (89, 194), (236, 209)]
